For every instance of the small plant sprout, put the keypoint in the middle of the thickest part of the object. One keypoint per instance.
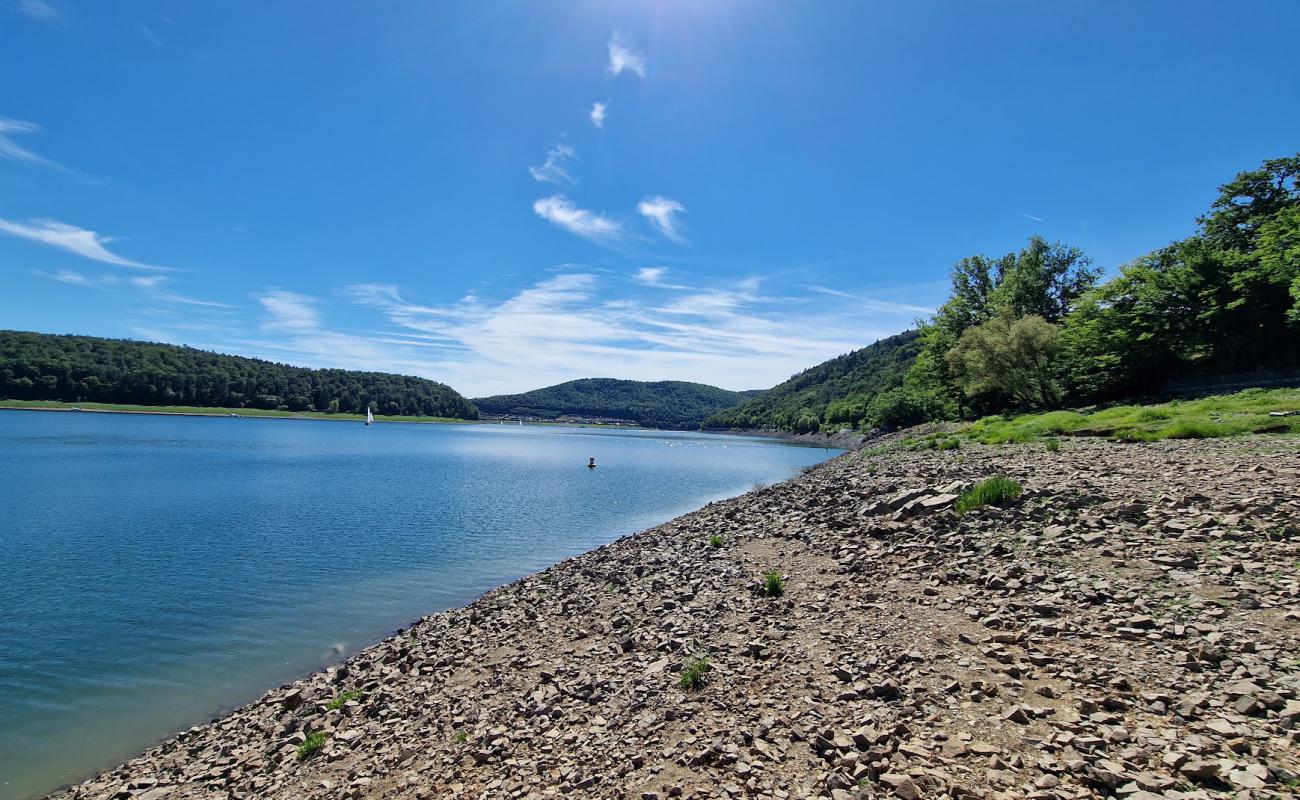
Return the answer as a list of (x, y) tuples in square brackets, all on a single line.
[(312, 745), (460, 737), (715, 541), (773, 585), (342, 699), (694, 673), (1053, 445)]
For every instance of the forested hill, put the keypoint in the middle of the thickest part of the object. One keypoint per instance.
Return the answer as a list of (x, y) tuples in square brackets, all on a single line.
[(38, 366), (839, 391), (1036, 329), (658, 404)]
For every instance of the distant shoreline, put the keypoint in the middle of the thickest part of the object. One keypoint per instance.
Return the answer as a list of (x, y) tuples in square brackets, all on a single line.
[(185, 411)]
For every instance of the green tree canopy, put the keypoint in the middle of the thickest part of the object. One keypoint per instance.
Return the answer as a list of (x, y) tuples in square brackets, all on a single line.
[(1012, 356)]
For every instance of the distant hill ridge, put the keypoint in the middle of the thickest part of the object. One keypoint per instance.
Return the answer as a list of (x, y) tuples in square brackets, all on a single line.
[(836, 391), (659, 404), (42, 366)]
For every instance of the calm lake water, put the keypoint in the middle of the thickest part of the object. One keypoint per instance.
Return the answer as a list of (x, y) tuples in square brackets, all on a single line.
[(159, 570)]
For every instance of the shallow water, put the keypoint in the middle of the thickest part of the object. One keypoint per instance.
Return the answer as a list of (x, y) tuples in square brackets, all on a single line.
[(159, 570)]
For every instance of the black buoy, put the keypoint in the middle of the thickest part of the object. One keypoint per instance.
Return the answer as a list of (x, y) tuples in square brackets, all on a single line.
[(591, 463)]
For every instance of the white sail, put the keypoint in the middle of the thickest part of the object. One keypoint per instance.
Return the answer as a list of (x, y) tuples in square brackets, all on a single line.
[(369, 416)]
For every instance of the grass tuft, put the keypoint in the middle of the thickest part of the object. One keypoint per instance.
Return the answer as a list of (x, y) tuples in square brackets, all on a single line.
[(715, 541), (1052, 445), (773, 585), (694, 673), (338, 702), (993, 491), (313, 744)]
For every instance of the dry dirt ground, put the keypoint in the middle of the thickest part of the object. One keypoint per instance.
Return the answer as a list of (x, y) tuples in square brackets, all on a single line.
[(1130, 627)]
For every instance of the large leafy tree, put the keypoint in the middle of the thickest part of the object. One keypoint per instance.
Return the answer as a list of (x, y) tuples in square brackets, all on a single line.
[(1012, 356), (1043, 280)]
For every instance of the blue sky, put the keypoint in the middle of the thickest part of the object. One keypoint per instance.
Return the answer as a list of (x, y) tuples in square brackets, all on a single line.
[(507, 195)]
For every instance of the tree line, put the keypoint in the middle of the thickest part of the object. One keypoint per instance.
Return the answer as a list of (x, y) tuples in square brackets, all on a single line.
[(841, 391), (1037, 329), (36, 366), (656, 404)]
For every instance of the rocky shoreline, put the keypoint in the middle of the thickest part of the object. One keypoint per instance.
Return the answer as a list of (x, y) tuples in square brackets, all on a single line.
[(1130, 627)]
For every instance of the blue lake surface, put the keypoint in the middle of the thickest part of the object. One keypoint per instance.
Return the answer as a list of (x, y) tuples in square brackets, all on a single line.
[(159, 570)]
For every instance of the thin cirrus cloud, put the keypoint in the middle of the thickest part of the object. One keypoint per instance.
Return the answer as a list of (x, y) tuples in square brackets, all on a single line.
[(598, 113), (654, 276), (70, 238), (662, 213), (13, 151), (153, 287), (289, 311), (555, 168), (623, 58), (41, 11), (591, 225), (574, 325)]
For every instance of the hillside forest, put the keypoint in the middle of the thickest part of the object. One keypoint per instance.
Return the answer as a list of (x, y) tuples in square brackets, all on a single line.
[(657, 404), (1038, 329), (35, 366)]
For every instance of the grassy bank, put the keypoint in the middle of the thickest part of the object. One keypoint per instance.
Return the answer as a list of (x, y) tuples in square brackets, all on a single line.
[(116, 408), (1249, 411)]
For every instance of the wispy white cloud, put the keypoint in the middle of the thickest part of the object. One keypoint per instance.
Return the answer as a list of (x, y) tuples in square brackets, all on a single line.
[(15, 152), (78, 279), (623, 57), (561, 212), (82, 242), (598, 113), (874, 304), (575, 324), (289, 311), (650, 276), (41, 11), (571, 324), (152, 287), (554, 169), (1030, 216), (662, 213), (149, 35), (654, 276)]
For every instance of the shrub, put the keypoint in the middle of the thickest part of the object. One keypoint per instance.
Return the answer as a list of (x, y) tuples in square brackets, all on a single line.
[(338, 702), (773, 584), (312, 745), (993, 491), (951, 443), (694, 673), (715, 541)]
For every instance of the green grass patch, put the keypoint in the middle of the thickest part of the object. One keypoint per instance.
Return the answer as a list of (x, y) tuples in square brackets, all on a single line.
[(1239, 414), (772, 585), (313, 744), (338, 702), (694, 673), (460, 737), (993, 491)]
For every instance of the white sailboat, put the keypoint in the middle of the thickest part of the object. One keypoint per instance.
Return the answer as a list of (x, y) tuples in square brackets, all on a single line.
[(369, 416)]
